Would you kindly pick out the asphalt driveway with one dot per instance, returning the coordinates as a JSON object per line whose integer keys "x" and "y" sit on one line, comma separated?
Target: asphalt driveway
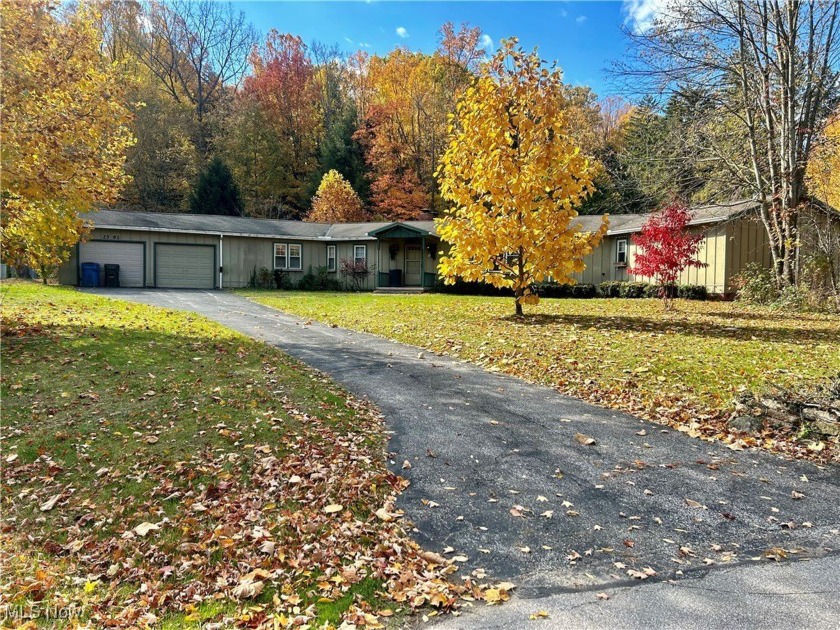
{"x": 505, "y": 473}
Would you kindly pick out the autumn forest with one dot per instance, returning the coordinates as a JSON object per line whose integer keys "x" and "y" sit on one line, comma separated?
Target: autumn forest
{"x": 204, "y": 88}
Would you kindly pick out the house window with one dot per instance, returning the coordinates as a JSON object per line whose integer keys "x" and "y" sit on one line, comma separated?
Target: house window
{"x": 280, "y": 254}
{"x": 360, "y": 254}
{"x": 621, "y": 251}
{"x": 331, "y": 262}
{"x": 288, "y": 256}
{"x": 295, "y": 260}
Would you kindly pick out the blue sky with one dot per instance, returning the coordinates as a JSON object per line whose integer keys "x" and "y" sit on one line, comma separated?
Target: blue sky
{"x": 584, "y": 37}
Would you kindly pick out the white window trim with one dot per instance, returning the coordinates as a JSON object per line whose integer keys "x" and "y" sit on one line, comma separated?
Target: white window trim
{"x": 287, "y": 257}
{"x": 284, "y": 256}
{"x": 356, "y": 257}
{"x": 332, "y": 258}
{"x": 619, "y": 251}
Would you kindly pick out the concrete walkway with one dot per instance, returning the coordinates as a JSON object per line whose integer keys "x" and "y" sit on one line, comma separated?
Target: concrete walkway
{"x": 498, "y": 476}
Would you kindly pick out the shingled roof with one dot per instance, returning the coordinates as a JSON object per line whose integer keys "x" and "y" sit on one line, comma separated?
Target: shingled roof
{"x": 272, "y": 228}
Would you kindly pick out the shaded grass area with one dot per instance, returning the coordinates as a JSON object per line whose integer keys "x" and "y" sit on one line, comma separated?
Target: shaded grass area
{"x": 116, "y": 415}
{"x": 684, "y": 366}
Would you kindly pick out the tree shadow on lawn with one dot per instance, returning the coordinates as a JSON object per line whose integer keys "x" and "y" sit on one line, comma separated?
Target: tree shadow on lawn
{"x": 737, "y": 331}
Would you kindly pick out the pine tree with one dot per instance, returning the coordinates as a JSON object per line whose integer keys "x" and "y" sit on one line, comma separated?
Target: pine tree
{"x": 216, "y": 191}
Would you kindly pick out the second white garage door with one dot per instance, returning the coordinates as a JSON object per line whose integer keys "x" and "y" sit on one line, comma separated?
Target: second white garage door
{"x": 185, "y": 266}
{"x": 129, "y": 256}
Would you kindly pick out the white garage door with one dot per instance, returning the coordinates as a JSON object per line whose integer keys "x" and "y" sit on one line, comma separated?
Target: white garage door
{"x": 129, "y": 256}
{"x": 185, "y": 266}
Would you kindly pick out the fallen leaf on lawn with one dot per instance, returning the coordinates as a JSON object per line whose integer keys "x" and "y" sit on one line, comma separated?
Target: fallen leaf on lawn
{"x": 525, "y": 549}
{"x": 267, "y": 547}
{"x": 541, "y": 499}
{"x": 406, "y": 465}
{"x": 540, "y": 614}
{"x": 460, "y": 558}
{"x": 796, "y": 495}
{"x": 548, "y": 514}
{"x": 46, "y": 506}
{"x": 586, "y": 440}
{"x": 199, "y": 507}
{"x": 384, "y": 515}
{"x": 332, "y": 508}
{"x": 694, "y": 504}
{"x": 247, "y": 589}
{"x": 144, "y": 528}
{"x": 11, "y": 458}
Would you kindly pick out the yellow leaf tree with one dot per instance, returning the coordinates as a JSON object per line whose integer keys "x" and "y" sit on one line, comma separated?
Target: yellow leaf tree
{"x": 824, "y": 165}
{"x": 513, "y": 176}
{"x": 65, "y": 130}
{"x": 336, "y": 201}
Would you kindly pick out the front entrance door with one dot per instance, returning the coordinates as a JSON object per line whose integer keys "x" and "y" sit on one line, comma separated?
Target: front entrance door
{"x": 413, "y": 265}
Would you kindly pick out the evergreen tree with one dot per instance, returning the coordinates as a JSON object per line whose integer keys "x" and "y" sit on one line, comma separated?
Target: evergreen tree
{"x": 216, "y": 192}
{"x": 341, "y": 152}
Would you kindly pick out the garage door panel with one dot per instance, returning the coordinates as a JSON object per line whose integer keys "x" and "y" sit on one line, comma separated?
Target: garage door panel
{"x": 129, "y": 256}
{"x": 185, "y": 266}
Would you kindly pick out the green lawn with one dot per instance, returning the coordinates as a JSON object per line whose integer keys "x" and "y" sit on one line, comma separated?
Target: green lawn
{"x": 153, "y": 462}
{"x": 682, "y": 367}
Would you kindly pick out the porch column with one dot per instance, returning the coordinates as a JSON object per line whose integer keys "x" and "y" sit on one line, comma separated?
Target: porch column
{"x": 422, "y": 261}
{"x": 378, "y": 261}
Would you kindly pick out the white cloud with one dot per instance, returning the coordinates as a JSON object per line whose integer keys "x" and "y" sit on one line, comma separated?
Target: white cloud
{"x": 485, "y": 42}
{"x": 580, "y": 19}
{"x": 348, "y": 40}
{"x": 402, "y": 31}
{"x": 641, "y": 14}
{"x": 563, "y": 13}
{"x": 364, "y": 45}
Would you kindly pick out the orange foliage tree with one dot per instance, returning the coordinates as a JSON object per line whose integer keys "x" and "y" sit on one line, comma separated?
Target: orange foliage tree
{"x": 336, "y": 202}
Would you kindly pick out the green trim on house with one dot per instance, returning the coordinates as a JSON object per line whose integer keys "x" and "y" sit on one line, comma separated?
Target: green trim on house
{"x": 398, "y": 230}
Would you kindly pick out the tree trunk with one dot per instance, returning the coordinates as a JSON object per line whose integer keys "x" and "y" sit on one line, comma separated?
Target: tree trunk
{"x": 519, "y": 312}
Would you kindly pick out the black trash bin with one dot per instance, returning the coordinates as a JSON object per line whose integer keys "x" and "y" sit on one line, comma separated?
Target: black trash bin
{"x": 395, "y": 278}
{"x": 112, "y": 276}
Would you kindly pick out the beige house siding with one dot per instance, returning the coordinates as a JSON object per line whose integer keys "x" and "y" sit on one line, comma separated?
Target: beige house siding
{"x": 601, "y": 264}
{"x": 746, "y": 243}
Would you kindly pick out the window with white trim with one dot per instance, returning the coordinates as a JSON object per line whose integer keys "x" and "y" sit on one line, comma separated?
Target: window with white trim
{"x": 280, "y": 256}
{"x": 360, "y": 254}
{"x": 295, "y": 257}
{"x": 288, "y": 256}
{"x": 331, "y": 259}
{"x": 621, "y": 251}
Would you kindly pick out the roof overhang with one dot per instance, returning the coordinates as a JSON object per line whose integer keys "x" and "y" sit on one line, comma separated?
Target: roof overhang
{"x": 704, "y": 221}
{"x": 399, "y": 230}
{"x": 135, "y": 228}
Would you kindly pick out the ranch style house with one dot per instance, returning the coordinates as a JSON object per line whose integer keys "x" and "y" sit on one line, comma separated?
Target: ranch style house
{"x": 210, "y": 251}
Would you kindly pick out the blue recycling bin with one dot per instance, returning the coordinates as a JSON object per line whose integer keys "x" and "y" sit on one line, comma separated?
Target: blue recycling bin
{"x": 90, "y": 274}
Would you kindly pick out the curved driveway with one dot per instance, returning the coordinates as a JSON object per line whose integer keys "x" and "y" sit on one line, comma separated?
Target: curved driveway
{"x": 498, "y": 475}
